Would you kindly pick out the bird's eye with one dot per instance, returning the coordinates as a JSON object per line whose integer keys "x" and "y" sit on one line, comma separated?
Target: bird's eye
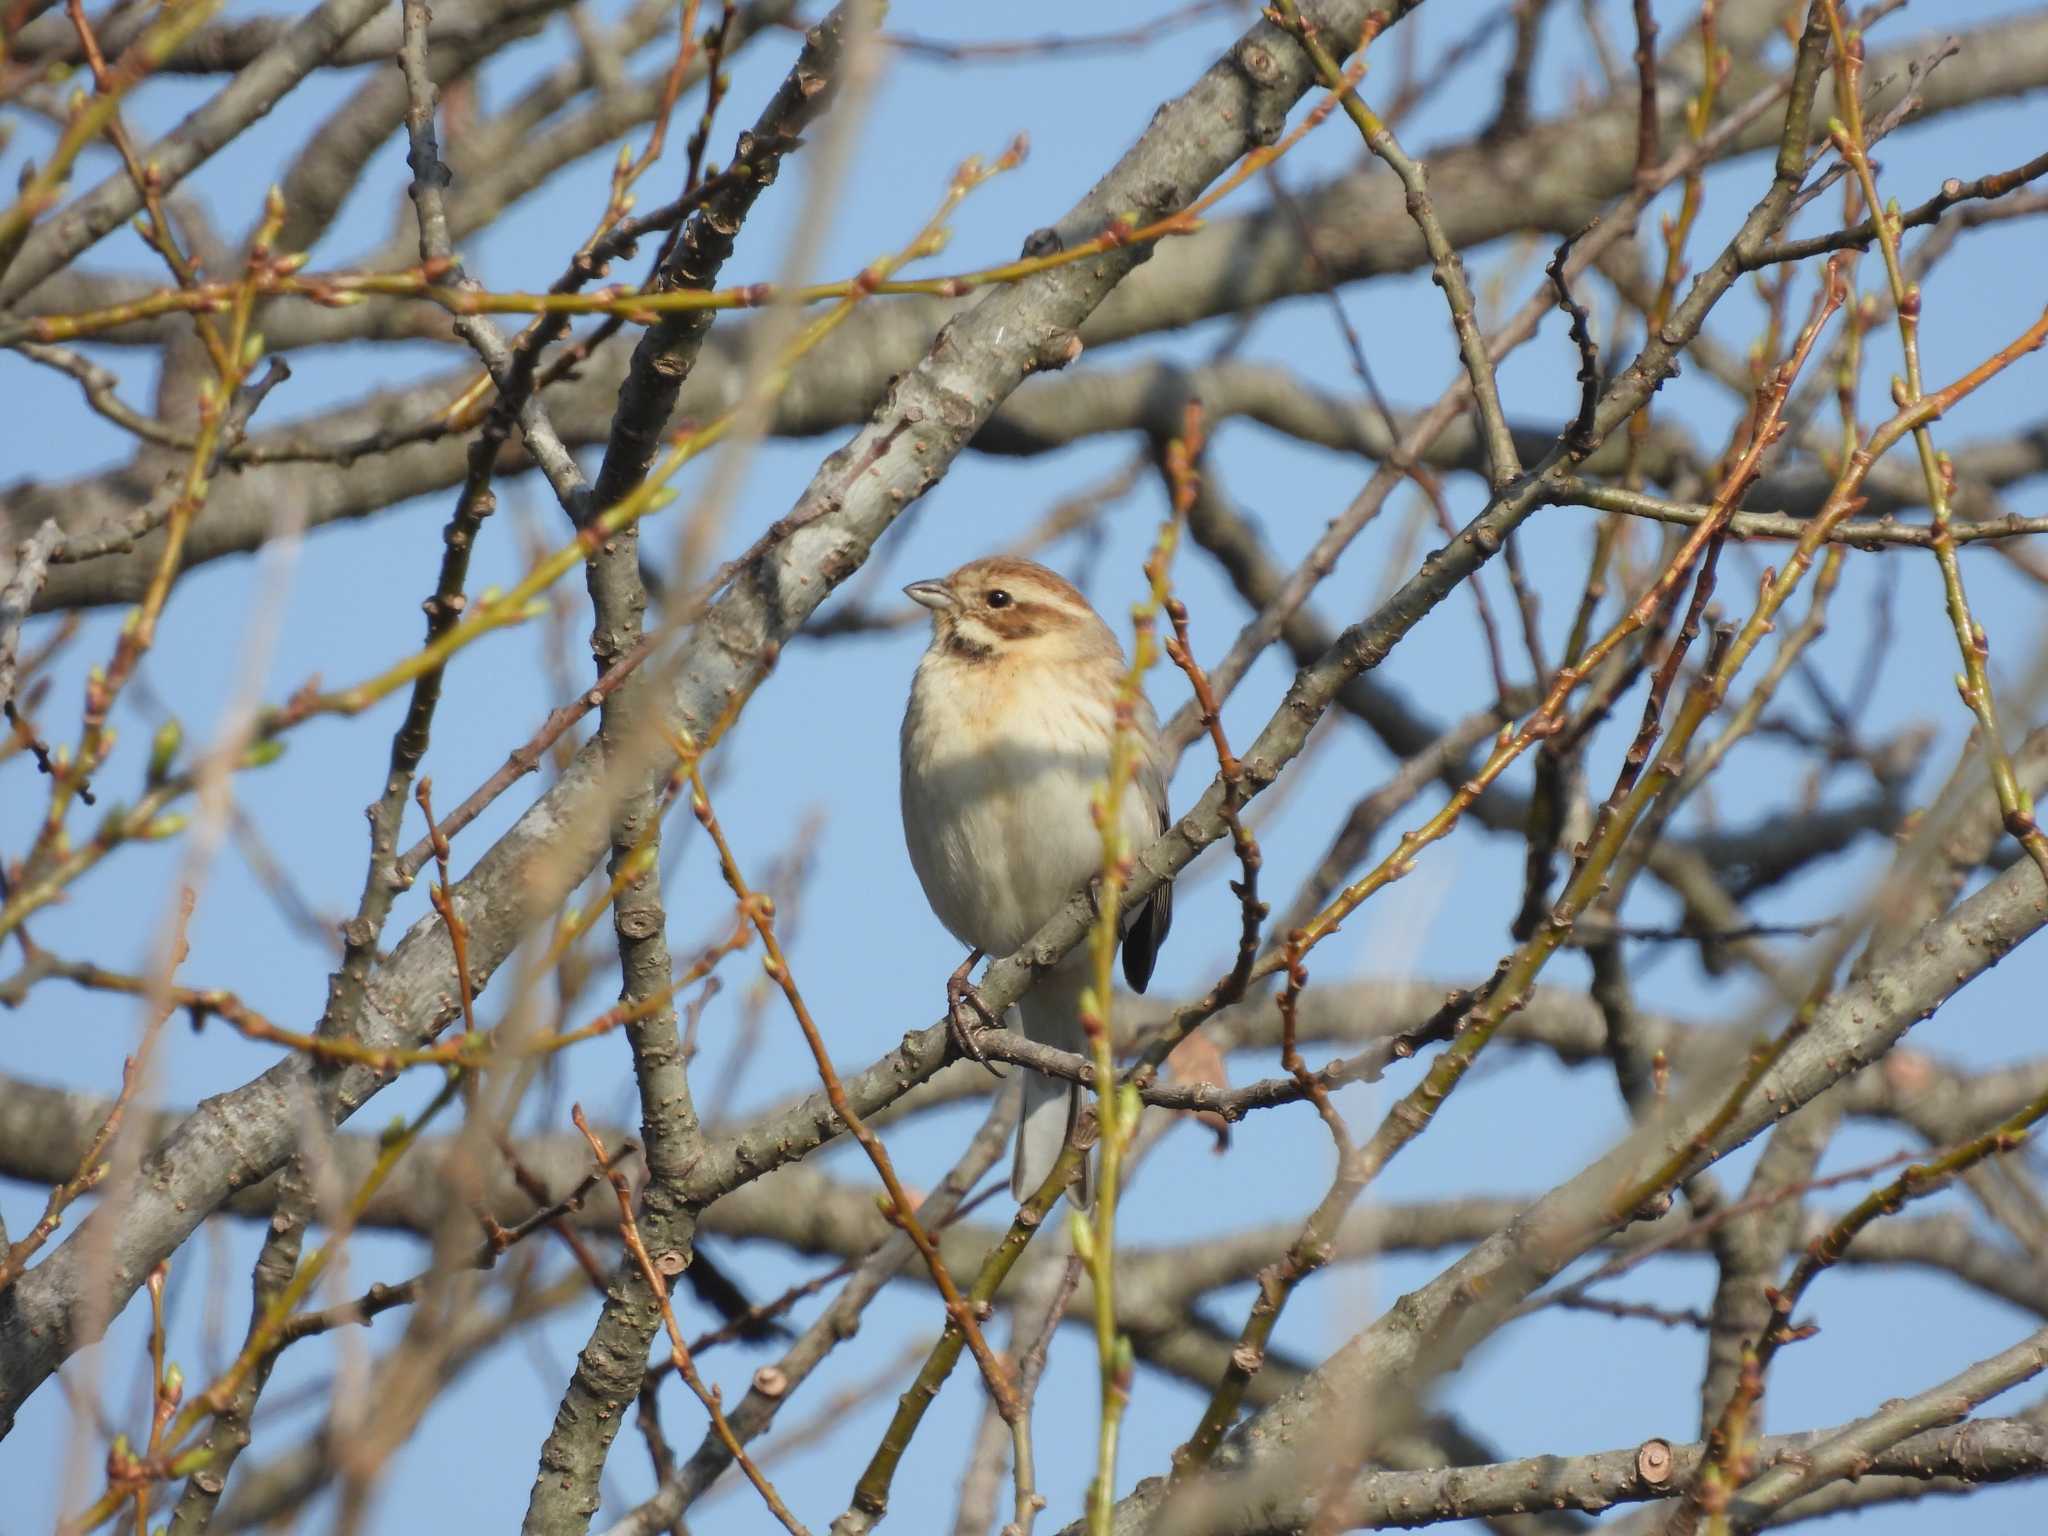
{"x": 999, "y": 599}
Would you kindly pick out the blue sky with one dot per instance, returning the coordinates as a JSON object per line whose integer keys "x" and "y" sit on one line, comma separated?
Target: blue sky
{"x": 821, "y": 738}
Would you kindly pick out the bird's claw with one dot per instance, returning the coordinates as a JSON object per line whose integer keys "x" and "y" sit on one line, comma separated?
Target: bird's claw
{"x": 966, "y": 1012}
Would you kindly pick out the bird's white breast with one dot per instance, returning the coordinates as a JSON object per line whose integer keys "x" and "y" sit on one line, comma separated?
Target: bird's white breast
{"x": 1001, "y": 762}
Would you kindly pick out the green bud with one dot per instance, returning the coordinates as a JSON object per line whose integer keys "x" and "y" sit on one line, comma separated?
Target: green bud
{"x": 163, "y": 751}
{"x": 261, "y": 754}
{"x": 1130, "y": 1104}
{"x": 165, "y": 827}
{"x": 192, "y": 1461}
{"x": 1081, "y": 1235}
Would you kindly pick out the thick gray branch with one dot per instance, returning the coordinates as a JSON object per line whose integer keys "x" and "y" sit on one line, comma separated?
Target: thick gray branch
{"x": 1446, "y": 1317}
{"x": 928, "y": 418}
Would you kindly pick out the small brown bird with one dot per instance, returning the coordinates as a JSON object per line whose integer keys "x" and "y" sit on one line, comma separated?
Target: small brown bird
{"x": 1005, "y": 744}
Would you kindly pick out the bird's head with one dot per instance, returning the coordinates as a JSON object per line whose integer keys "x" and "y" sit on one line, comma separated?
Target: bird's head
{"x": 1006, "y": 609}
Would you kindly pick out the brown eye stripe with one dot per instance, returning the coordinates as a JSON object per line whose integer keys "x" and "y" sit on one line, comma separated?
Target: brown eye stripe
{"x": 1023, "y": 619}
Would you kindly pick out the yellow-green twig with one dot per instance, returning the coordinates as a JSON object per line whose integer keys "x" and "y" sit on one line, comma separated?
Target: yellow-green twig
{"x": 1974, "y": 684}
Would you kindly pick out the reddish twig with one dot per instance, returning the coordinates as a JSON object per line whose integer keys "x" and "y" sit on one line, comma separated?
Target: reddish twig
{"x": 656, "y": 1275}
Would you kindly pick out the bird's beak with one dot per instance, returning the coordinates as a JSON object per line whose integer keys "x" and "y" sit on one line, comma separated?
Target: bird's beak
{"x": 935, "y": 595}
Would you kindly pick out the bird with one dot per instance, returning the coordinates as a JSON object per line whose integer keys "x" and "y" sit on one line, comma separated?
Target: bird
{"x": 1005, "y": 745}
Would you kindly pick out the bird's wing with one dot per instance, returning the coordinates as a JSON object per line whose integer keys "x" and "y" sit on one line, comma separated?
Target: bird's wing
{"x": 1147, "y": 931}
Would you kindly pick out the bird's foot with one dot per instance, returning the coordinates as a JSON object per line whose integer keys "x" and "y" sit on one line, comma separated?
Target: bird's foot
{"x": 1094, "y": 890}
{"x": 966, "y": 1013}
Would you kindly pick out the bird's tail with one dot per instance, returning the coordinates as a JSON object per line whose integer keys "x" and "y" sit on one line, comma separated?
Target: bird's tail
{"x": 1051, "y": 1016}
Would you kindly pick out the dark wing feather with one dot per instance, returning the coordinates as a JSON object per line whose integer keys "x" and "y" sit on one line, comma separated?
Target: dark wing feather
{"x": 1141, "y": 944}
{"x": 1147, "y": 931}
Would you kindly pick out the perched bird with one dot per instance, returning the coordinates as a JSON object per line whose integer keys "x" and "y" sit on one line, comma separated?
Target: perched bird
{"x": 1005, "y": 745}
